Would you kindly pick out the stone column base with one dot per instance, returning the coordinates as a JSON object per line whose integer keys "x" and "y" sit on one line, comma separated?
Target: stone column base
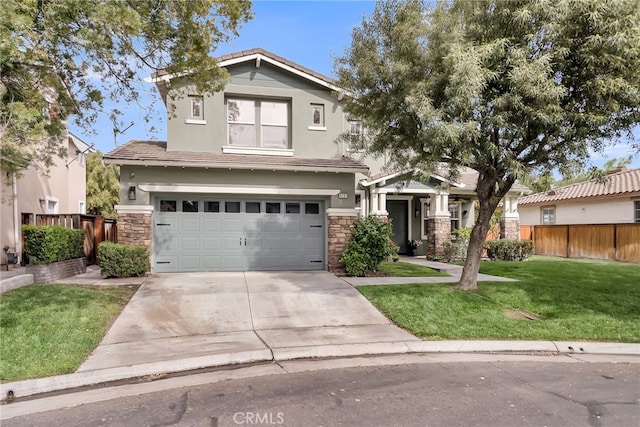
{"x": 438, "y": 233}
{"x": 510, "y": 228}
{"x": 340, "y": 224}
{"x": 134, "y": 224}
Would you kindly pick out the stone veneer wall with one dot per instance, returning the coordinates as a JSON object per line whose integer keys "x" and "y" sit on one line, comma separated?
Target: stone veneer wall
{"x": 439, "y": 232}
{"x": 339, "y": 233}
{"x": 46, "y": 273}
{"x": 134, "y": 228}
{"x": 510, "y": 229}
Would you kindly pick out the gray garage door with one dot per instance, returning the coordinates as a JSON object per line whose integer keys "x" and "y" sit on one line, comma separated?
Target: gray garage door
{"x": 212, "y": 234}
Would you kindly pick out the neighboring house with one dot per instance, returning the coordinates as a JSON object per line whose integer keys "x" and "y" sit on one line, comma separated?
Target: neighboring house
{"x": 61, "y": 191}
{"x": 252, "y": 178}
{"x": 615, "y": 199}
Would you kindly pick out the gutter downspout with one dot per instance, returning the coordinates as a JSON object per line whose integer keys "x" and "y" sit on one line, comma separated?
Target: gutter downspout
{"x": 16, "y": 222}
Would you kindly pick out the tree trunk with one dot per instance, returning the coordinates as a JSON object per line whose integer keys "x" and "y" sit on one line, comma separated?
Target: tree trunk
{"x": 488, "y": 203}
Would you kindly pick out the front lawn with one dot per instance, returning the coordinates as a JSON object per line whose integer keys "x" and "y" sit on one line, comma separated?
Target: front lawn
{"x": 407, "y": 269}
{"x": 50, "y": 329}
{"x": 555, "y": 299}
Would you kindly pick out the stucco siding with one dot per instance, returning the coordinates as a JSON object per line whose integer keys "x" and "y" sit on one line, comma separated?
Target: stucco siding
{"x": 266, "y": 83}
{"x": 239, "y": 178}
{"x": 603, "y": 211}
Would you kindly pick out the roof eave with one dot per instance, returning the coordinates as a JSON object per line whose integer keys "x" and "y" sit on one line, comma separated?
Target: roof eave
{"x": 231, "y": 166}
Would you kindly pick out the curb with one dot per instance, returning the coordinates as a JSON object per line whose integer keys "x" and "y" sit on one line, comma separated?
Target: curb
{"x": 26, "y": 388}
{"x": 15, "y": 282}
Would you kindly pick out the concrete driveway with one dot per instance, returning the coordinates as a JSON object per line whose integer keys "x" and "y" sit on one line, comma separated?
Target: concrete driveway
{"x": 243, "y": 316}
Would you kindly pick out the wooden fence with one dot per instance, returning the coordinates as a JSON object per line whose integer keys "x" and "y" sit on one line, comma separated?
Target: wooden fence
{"x": 619, "y": 242}
{"x": 97, "y": 228}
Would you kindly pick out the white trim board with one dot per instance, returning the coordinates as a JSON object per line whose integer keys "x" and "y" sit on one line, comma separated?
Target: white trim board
{"x": 218, "y": 189}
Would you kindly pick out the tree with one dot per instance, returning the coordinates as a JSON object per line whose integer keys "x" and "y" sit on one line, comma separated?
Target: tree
{"x": 65, "y": 57}
{"x": 103, "y": 186}
{"x": 502, "y": 87}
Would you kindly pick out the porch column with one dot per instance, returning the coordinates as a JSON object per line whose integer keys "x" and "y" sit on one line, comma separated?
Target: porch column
{"x": 374, "y": 203}
{"x": 510, "y": 219}
{"x": 439, "y": 223}
{"x": 382, "y": 204}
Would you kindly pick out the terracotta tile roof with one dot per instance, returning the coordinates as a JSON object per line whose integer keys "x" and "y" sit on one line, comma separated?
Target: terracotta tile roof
{"x": 154, "y": 153}
{"x": 620, "y": 183}
{"x": 278, "y": 58}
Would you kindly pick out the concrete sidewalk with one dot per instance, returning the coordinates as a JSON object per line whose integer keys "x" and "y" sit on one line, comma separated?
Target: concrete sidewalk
{"x": 190, "y": 321}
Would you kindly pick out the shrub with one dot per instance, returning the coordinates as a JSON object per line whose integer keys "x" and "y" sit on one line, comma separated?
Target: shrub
{"x": 450, "y": 251}
{"x": 509, "y": 250}
{"x": 368, "y": 246}
{"x": 120, "y": 260}
{"x": 47, "y": 244}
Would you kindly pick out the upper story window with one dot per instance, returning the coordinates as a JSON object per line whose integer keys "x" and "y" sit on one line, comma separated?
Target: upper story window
{"x": 258, "y": 123}
{"x": 196, "y": 111}
{"x": 317, "y": 117}
{"x": 637, "y": 210}
{"x": 355, "y": 128}
{"x": 549, "y": 215}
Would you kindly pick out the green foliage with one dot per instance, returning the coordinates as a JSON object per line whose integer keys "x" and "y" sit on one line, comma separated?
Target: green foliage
{"x": 47, "y": 244}
{"x": 65, "y": 57}
{"x": 509, "y": 250}
{"x": 368, "y": 247}
{"x": 501, "y": 87}
{"x": 103, "y": 186}
{"x": 50, "y": 330}
{"x": 406, "y": 269}
{"x": 602, "y": 306}
{"x": 121, "y": 260}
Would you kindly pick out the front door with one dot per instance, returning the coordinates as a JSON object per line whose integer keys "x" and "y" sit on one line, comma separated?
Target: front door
{"x": 398, "y": 214}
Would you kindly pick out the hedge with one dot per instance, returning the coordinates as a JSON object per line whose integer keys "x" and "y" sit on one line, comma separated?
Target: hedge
{"x": 509, "y": 250}
{"x": 121, "y": 260}
{"x": 52, "y": 243}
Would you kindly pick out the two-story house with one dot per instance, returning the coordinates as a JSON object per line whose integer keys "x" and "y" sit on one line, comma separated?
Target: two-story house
{"x": 252, "y": 178}
{"x": 60, "y": 191}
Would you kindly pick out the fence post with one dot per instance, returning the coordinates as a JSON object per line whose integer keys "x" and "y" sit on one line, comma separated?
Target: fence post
{"x": 98, "y": 235}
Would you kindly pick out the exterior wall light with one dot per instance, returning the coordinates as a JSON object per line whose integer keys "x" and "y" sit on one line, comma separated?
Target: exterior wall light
{"x": 132, "y": 193}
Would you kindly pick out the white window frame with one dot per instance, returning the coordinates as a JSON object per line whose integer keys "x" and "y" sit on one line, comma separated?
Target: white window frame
{"x": 321, "y": 125}
{"x": 196, "y": 119}
{"x": 56, "y": 205}
{"x": 259, "y": 124}
{"x": 458, "y": 207}
{"x": 82, "y": 207}
{"x": 424, "y": 218}
{"x": 358, "y": 125}
{"x": 542, "y": 215}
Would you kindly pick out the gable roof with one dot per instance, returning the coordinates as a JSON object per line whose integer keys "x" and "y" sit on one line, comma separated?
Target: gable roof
{"x": 616, "y": 184}
{"x": 258, "y": 55}
{"x": 467, "y": 179}
{"x": 154, "y": 153}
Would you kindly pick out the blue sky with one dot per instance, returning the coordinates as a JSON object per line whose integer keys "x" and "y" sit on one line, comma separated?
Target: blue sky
{"x": 310, "y": 33}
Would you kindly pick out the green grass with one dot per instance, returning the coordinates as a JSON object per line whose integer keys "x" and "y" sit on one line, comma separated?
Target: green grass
{"x": 575, "y": 299}
{"x": 407, "y": 269}
{"x": 50, "y": 330}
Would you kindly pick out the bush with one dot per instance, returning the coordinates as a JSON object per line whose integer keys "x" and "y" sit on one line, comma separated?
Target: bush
{"x": 120, "y": 260}
{"x": 509, "y": 250}
{"x": 368, "y": 246}
{"x": 47, "y": 244}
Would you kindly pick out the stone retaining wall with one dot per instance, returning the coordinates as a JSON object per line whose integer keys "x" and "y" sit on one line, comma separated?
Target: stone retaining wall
{"x": 47, "y": 273}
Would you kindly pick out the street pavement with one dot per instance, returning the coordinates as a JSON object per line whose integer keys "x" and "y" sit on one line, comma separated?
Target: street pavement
{"x": 190, "y": 321}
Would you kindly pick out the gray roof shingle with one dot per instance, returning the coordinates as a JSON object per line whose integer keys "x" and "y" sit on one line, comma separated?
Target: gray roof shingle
{"x": 154, "y": 153}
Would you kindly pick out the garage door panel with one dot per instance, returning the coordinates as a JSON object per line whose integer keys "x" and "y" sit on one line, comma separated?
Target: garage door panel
{"x": 190, "y": 243}
{"x": 274, "y": 239}
{"x": 211, "y": 243}
{"x": 190, "y": 225}
{"x": 190, "y": 262}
